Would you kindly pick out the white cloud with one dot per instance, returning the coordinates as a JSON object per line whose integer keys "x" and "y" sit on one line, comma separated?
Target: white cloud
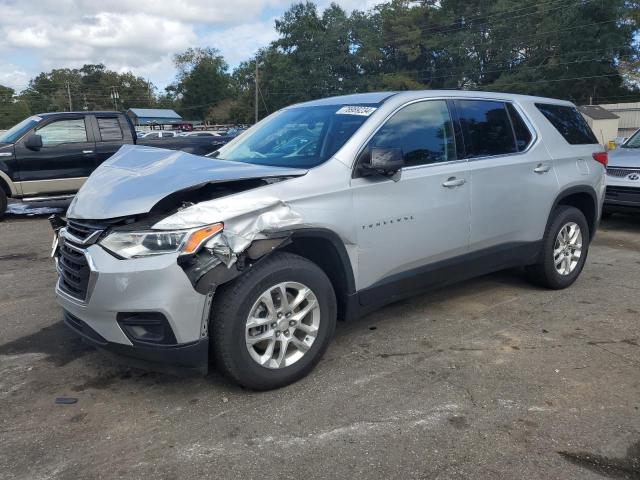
{"x": 13, "y": 76}
{"x": 139, "y": 36}
{"x": 241, "y": 42}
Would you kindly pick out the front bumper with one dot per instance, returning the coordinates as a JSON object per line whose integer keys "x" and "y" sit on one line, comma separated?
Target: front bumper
{"x": 151, "y": 284}
{"x": 189, "y": 357}
{"x": 622, "y": 195}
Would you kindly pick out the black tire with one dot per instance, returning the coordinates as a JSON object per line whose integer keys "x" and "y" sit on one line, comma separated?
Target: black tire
{"x": 544, "y": 273}
{"x": 231, "y": 307}
{"x": 3, "y": 203}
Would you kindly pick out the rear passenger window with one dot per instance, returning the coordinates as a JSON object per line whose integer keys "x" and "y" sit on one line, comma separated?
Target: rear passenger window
{"x": 569, "y": 122}
{"x": 109, "y": 129}
{"x": 486, "y": 127}
{"x": 422, "y": 130}
{"x": 523, "y": 134}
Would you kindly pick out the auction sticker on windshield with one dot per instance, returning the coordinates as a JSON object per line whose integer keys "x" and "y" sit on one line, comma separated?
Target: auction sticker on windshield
{"x": 356, "y": 110}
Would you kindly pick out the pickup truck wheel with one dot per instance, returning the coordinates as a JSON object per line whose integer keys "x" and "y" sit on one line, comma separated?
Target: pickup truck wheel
{"x": 564, "y": 251}
{"x": 270, "y": 326}
{"x": 3, "y": 203}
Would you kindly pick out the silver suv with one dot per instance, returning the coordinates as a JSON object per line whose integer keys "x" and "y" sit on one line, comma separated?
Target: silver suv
{"x": 322, "y": 211}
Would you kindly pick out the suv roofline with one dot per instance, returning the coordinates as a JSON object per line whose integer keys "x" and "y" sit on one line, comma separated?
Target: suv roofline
{"x": 382, "y": 97}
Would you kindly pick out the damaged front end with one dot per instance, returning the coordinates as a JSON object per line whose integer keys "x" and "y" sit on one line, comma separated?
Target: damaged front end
{"x": 157, "y": 201}
{"x": 209, "y": 253}
{"x": 142, "y": 250}
{"x": 252, "y": 229}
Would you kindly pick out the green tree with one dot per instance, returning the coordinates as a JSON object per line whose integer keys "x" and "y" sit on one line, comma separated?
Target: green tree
{"x": 12, "y": 110}
{"x": 577, "y": 49}
{"x": 202, "y": 81}
{"x": 90, "y": 88}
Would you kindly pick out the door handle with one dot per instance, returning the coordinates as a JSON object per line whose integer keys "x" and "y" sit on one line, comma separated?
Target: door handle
{"x": 87, "y": 151}
{"x": 542, "y": 168}
{"x": 453, "y": 182}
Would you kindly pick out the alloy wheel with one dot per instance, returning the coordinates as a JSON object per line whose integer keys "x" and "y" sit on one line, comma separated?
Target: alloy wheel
{"x": 567, "y": 249}
{"x": 282, "y": 325}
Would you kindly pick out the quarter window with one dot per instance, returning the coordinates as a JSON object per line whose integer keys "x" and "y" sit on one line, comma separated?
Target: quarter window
{"x": 109, "y": 129}
{"x": 423, "y": 131}
{"x": 569, "y": 122}
{"x": 63, "y": 131}
{"x": 486, "y": 127}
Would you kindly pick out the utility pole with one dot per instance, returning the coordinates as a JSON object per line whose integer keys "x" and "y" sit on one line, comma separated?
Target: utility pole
{"x": 256, "y": 90}
{"x": 69, "y": 95}
{"x": 115, "y": 96}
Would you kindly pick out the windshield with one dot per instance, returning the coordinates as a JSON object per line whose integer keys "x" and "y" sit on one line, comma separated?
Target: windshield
{"x": 15, "y": 132}
{"x": 302, "y": 137}
{"x": 633, "y": 142}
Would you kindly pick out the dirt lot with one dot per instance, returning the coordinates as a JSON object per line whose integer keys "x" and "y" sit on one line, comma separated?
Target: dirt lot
{"x": 493, "y": 378}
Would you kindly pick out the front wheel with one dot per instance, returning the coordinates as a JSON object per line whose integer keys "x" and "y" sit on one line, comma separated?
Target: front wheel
{"x": 270, "y": 326}
{"x": 564, "y": 250}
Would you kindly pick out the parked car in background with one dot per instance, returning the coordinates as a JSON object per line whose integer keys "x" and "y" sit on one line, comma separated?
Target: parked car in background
{"x": 325, "y": 209}
{"x": 155, "y": 134}
{"x": 623, "y": 177}
{"x": 234, "y": 132}
{"x": 200, "y": 133}
{"x": 50, "y": 155}
{"x": 619, "y": 141}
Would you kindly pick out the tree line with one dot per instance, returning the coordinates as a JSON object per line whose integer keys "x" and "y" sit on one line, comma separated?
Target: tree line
{"x": 581, "y": 50}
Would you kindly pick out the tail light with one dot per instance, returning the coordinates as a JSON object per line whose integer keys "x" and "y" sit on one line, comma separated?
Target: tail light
{"x": 601, "y": 157}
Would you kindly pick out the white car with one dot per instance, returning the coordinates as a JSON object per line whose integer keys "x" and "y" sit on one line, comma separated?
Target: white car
{"x": 160, "y": 134}
{"x": 200, "y": 133}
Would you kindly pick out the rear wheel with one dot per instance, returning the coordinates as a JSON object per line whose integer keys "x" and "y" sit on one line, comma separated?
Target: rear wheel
{"x": 564, "y": 251}
{"x": 270, "y": 326}
{"x": 3, "y": 203}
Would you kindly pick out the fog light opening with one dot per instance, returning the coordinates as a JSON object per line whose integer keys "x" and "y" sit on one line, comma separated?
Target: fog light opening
{"x": 146, "y": 328}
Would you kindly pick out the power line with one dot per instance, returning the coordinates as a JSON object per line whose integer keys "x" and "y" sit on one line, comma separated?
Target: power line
{"x": 495, "y": 14}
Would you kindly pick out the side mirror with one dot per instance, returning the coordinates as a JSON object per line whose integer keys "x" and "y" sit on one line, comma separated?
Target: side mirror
{"x": 386, "y": 161}
{"x": 33, "y": 142}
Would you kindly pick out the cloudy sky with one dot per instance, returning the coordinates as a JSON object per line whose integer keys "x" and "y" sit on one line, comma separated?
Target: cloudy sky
{"x": 135, "y": 35}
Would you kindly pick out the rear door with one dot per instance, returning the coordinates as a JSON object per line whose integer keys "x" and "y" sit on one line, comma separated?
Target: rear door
{"x": 512, "y": 175}
{"x": 66, "y": 159}
{"x": 423, "y": 216}
{"x": 110, "y": 136}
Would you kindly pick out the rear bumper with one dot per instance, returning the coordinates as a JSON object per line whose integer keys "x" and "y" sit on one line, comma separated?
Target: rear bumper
{"x": 192, "y": 357}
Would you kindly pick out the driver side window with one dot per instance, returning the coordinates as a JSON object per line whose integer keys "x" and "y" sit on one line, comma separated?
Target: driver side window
{"x": 422, "y": 130}
{"x": 63, "y": 131}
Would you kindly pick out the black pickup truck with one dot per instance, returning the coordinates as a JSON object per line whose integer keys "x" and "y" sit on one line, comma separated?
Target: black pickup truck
{"x": 50, "y": 155}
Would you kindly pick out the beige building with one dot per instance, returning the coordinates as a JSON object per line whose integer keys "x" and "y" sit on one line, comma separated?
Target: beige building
{"x": 629, "y": 114}
{"x": 605, "y": 124}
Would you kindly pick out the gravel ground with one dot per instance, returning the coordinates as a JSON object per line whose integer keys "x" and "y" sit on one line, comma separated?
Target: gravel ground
{"x": 492, "y": 378}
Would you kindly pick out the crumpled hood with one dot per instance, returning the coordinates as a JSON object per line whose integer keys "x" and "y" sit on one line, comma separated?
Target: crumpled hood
{"x": 133, "y": 180}
{"x": 624, "y": 157}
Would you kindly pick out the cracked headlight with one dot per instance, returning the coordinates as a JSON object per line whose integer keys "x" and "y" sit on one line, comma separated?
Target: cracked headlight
{"x": 158, "y": 242}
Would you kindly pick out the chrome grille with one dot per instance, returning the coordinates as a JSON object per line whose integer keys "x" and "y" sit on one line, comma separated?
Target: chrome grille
{"x": 74, "y": 271}
{"x": 82, "y": 231}
{"x": 621, "y": 172}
